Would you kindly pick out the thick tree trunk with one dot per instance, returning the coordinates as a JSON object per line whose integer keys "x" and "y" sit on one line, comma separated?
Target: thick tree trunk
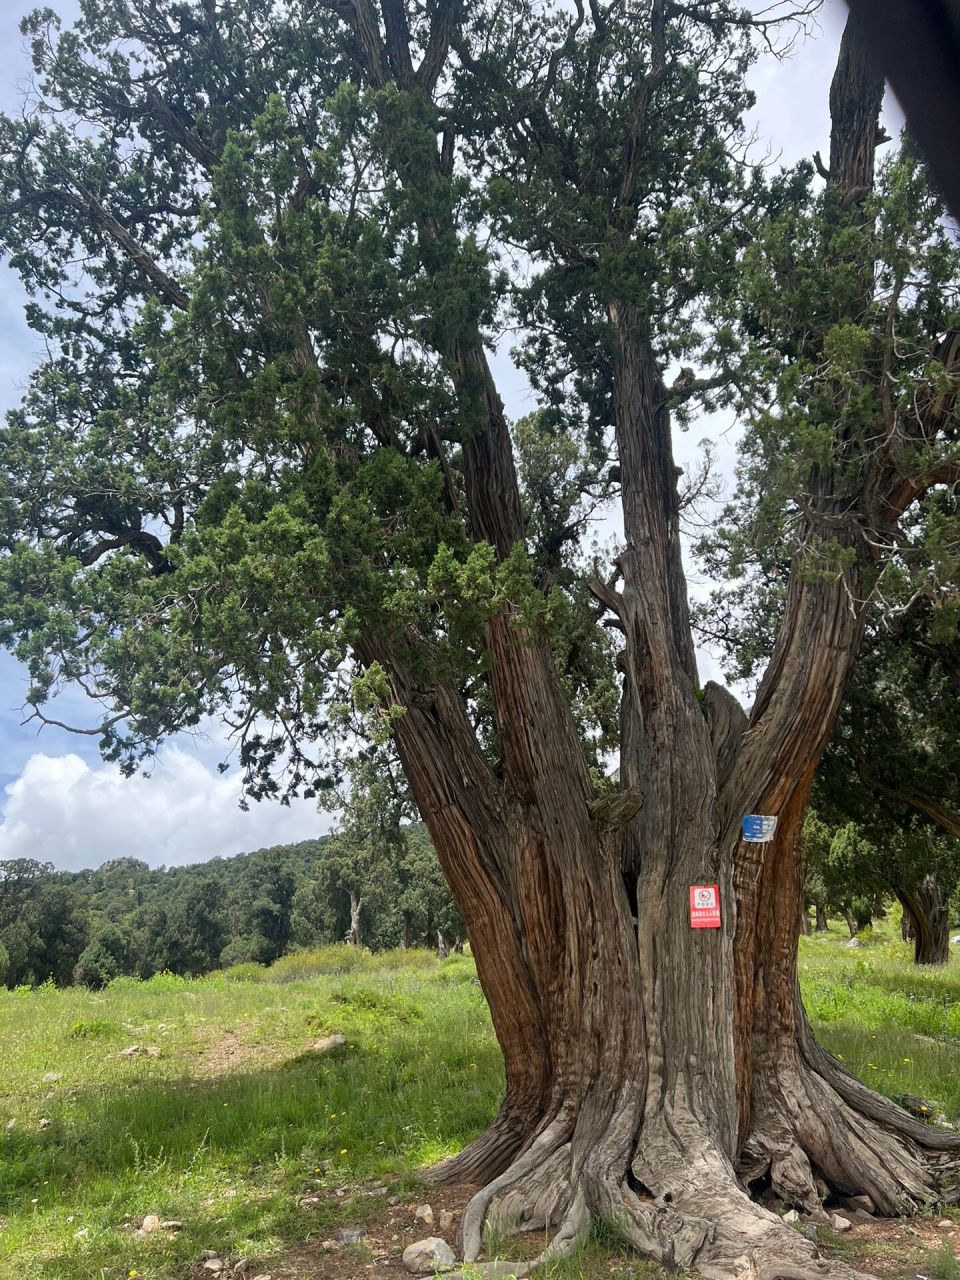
{"x": 822, "y": 926}
{"x": 925, "y": 908}
{"x": 852, "y": 926}
{"x": 805, "y": 1125}
{"x": 643, "y": 1057}
{"x": 805, "y": 926}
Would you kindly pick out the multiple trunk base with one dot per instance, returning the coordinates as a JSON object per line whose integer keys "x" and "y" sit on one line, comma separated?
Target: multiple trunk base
{"x": 666, "y": 1189}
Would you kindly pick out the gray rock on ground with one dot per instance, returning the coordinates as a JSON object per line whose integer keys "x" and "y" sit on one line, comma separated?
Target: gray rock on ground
{"x": 424, "y": 1257}
{"x": 329, "y": 1042}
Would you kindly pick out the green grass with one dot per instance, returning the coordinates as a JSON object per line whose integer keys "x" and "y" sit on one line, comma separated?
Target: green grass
{"x": 239, "y": 1116}
{"x": 896, "y": 1025}
{"x": 236, "y": 1119}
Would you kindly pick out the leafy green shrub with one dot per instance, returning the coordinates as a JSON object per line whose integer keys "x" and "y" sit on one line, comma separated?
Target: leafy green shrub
{"x": 456, "y": 968}
{"x": 165, "y": 981}
{"x": 297, "y": 966}
{"x": 254, "y": 949}
{"x": 398, "y": 1007}
{"x": 249, "y": 971}
{"x": 398, "y": 958}
{"x": 102, "y": 960}
{"x": 96, "y": 1028}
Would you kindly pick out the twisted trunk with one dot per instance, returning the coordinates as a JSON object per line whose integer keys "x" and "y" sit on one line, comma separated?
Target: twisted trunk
{"x": 926, "y": 909}
{"x": 652, "y": 1070}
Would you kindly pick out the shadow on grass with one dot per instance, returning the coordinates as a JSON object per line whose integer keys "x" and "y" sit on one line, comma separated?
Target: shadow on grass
{"x": 230, "y": 1156}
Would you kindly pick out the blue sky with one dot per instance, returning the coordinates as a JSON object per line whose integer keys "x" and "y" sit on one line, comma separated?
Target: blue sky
{"x": 58, "y": 801}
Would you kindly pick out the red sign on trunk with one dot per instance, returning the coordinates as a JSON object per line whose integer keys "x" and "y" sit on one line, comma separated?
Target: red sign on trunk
{"x": 704, "y": 906}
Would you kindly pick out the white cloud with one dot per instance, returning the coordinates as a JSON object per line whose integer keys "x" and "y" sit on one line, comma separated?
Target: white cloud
{"x": 62, "y": 810}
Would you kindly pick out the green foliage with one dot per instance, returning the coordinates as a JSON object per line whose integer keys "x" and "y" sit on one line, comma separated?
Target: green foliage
{"x": 93, "y": 1028}
{"x": 239, "y": 914}
{"x": 102, "y": 960}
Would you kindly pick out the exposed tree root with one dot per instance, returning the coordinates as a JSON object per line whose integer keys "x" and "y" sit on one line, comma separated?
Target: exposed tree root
{"x": 680, "y": 1205}
{"x": 489, "y": 1154}
{"x": 813, "y": 1122}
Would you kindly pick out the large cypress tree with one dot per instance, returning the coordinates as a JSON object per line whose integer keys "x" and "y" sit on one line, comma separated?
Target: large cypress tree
{"x": 265, "y": 473}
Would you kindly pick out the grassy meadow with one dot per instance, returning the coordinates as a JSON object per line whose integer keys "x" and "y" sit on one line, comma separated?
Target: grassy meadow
{"x": 231, "y": 1122}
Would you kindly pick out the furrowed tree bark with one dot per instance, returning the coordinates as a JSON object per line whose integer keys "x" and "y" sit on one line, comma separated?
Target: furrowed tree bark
{"x": 926, "y": 909}
{"x": 640, "y": 1054}
{"x": 804, "y": 1121}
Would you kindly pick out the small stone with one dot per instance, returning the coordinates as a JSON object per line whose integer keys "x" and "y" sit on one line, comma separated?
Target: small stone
{"x": 791, "y": 1216}
{"x": 390, "y": 1199}
{"x": 210, "y": 1255}
{"x": 446, "y": 1221}
{"x": 81, "y": 1234}
{"x": 131, "y": 1052}
{"x": 351, "y": 1235}
{"x": 52, "y": 1077}
{"x": 945, "y": 1224}
{"x": 863, "y": 1203}
{"x": 152, "y": 1051}
{"x": 11, "y": 1124}
{"x": 309, "y": 1202}
{"x": 424, "y": 1214}
{"x": 810, "y": 1231}
{"x": 427, "y": 1256}
{"x": 839, "y": 1223}
{"x": 213, "y": 1265}
{"x": 44, "y": 1123}
{"x": 171, "y": 1224}
{"x": 329, "y": 1246}
{"x": 853, "y": 944}
{"x": 955, "y": 939}
{"x": 150, "y": 1223}
{"x": 329, "y": 1042}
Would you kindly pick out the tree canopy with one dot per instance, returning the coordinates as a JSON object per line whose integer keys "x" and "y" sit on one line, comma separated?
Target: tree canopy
{"x": 265, "y": 473}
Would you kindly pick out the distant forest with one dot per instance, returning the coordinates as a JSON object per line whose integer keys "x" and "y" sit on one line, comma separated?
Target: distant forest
{"x": 126, "y": 918}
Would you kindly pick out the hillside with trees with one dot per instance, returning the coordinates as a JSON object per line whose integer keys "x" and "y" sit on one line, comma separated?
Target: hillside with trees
{"x": 263, "y": 472}
{"x": 126, "y": 918}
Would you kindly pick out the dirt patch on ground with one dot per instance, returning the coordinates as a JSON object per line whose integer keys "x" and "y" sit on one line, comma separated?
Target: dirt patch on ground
{"x": 228, "y": 1052}
{"x": 387, "y": 1232}
{"x": 899, "y": 1250}
{"x": 890, "y": 1249}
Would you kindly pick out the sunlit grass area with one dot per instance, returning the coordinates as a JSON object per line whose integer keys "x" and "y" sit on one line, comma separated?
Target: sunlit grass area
{"x": 232, "y": 1109}
{"x": 236, "y": 1118}
{"x": 896, "y": 1025}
